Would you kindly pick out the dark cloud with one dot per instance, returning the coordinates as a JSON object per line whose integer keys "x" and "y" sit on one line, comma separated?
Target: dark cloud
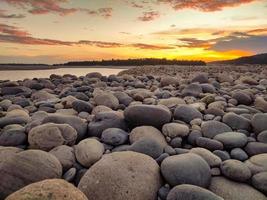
{"x": 149, "y": 16}
{"x": 204, "y": 5}
{"x": 104, "y": 12}
{"x": 12, "y": 30}
{"x": 10, "y": 16}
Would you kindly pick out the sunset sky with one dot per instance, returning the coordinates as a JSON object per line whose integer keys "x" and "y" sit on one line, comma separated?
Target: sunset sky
{"x": 56, "y": 31}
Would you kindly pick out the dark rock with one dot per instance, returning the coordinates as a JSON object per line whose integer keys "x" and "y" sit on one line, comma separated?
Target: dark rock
{"x": 186, "y": 113}
{"x": 232, "y": 140}
{"x": 114, "y": 136}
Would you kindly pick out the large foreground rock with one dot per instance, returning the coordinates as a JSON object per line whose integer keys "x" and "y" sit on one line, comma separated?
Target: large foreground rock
{"x": 230, "y": 190}
{"x": 150, "y": 115}
{"x": 191, "y": 192}
{"x": 122, "y": 175}
{"x": 186, "y": 169}
{"x": 25, "y": 168}
{"x": 52, "y": 189}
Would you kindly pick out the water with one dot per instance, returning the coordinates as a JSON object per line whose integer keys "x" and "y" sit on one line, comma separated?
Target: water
{"x": 45, "y": 73}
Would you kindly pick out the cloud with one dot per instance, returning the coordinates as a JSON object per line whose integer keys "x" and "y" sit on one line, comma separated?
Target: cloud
{"x": 204, "y": 5}
{"x": 149, "y": 16}
{"x": 12, "y": 34}
{"x": 10, "y": 16}
{"x": 195, "y": 43}
{"x": 37, "y": 7}
{"x": 177, "y": 31}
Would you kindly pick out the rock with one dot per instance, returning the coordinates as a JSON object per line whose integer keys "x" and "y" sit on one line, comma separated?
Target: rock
{"x": 201, "y": 78}
{"x": 186, "y": 113}
{"x": 254, "y": 148}
{"x": 193, "y": 136}
{"x": 242, "y": 98}
{"x": 50, "y": 135}
{"x": 93, "y": 75}
{"x": 54, "y": 189}
{"x": 259, "y": 181}
{"x": 8, "y": 152}
{"x": 232, "y": 140}
{"x": 88, "y": 151}
{"x": 142, "y": 132}
{"x": 77, "y": 123}
{"x": 262, "y": 137}
{"x": 260, "y": 104}
{"x": 171, "y": 102}
{"x": 239, "y": 154}
{"x": 70, "y": 174}
{"x": 122, "y": 175}
{"x": 186, "y": 168}
{"x": 105, "y": 120}
{"x": 123, "y": 98}
{"x": 225, "y": 77}
{"x": 82, "y": 106}
{"x": 27, "y": 167}
{"x": 65, "y": 155}
{"x": 169, "y": 80}
{"x": 212, "y": 159}
{"x": 148, "y": 146}
{"x": 236, "y": 122}
{"x": 192, "y": 89}
{"x": 231, "y": 190}
{"x": 12, "y": 135}
{"x": 107, "y": 99}
{"x": 191, "y": 192}
{"x": 151, "y": 115}
{"x": 212, "y": 128}
{"x": 258, "y": 122}
{"x": 16, "y": 90}
{"x": 4, "y": 121}
{"x": 209, "y": 144}
{"x": 44, "y": 96}
{"x": 114, "y": 136}
{"x": 257, "y": 163}
{"x": 173, "y": 130}
{"x": 235, "y": 170}
{"x": 224, "y": 155}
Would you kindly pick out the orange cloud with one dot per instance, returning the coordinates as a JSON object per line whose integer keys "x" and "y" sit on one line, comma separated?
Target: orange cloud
{"x": 204, "y": 5}
{"x": 149, "y": 16}
{"x": 10, "y": 16}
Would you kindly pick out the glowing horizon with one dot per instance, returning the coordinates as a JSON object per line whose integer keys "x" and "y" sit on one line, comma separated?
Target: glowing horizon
{"x": 57, "y": 31}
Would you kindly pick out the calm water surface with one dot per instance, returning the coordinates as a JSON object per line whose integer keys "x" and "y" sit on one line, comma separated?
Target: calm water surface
{"x": 22, "y": 74}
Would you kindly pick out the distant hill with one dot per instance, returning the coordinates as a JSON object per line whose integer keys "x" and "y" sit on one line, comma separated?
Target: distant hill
{"x": 260, "y": 59}
{"x": 133, "y": 62}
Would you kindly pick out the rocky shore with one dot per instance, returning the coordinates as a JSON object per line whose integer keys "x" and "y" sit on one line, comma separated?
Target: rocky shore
{"x": 165, "y": 133}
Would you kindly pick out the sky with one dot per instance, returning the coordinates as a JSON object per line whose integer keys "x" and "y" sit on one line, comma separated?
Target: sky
{"x": 57, "y": 31}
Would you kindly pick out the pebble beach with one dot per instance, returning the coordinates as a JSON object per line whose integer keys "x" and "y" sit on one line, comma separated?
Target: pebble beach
{"x": 147, "y": 133}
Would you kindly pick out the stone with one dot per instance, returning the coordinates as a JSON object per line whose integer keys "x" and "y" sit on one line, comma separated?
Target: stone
{"x": 54, "y": 189}
{"x": 65, "y": 155}
{"x": 231, "y": 190}
{"x": 186, "y": 168}
{"x": 212, "y": 159}
{"x": 209, "y": 144}
{"x": 212, "y": 128}
{"x": 260, "y": 104}
{"x": 122, "y": 175}
{"x": 107, "y": 99}
{"x": 258, "y": 122}
{"x": 235, "y": 170}
{"x": 236, "y": 122}
{"x": 201, "y": 78}
{"x": 70, "y": 174}
{"x": 242, "y": 98}
{"x": 186, "y": 113}
{"x": 168, "y": 80}
{"x": 232, "y": 140}
{"x": 123, "y": 98}
{"x": 259, "y": 181}
{"x": 50, "y": 135}
{"x": 173, "y": 130}
{"x": 192, "y": 89}
{"x": 142, "y": 132}
{"x": 88, "y": 152}
{"x": 4, "y": 121}
{"x": 224, "y": 155}
{"x": 191, "y": 192}
{"x": 254, "y": 148}
{"x": 105, "y": 120}
{"x": 148, "y": 146}
{"x": 114, "y": 136}
{"x": 150, "y": 115}
{"x": 257, "y": 163}
{"x": 262, "y": 137}
{"x": 8, "y": 152}
{"x": 171, "y": 102}
{"x": 239, "y": 154}
{"x": 13, "y": 135}
{"x": 77, "y": 123}
{"x": 82, "y": 106}
{"x": 44, "y": 96}
{"x": 27, "y": 167}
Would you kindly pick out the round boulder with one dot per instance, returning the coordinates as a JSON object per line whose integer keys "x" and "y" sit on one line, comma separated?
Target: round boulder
{"x": 212, "y": 128}
{"x": 186, "y": 113}
{"x": 52, "y": 189}
{"x": 173, "y": 130}
{"x": 122, "y": 175}
{"x": 114, "y": 136}
{"x": 186, "y": 168}
{"x": 232, "y": 140}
